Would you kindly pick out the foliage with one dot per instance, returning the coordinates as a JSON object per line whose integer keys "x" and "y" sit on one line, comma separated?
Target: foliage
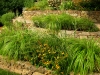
{"x": 14, "y": 42}
{"x": 28, "y": 3}
{"x": 3, "y": 7}
{"x": 64, "y": 21}
{"x": 50, "y": 54}
{"x": 84, "y": 24}
{"x": 6, "y": 19}
{"x": 90, "y": 5}
{"x": 28, "y": 46}
{"x": 65, "y": 5}
{"x": 85, "y": 56}
{"x": 40, "y": 5}
{"x": 54, "y": 22}
{"x": 62, "y": 55}
{"x": 11, "y": 6}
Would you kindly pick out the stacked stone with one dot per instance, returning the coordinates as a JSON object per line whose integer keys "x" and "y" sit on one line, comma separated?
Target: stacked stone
{"x": 54, "y": 3}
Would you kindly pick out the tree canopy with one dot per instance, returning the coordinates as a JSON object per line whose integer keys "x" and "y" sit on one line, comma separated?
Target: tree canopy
{"x": 10, "y": 5}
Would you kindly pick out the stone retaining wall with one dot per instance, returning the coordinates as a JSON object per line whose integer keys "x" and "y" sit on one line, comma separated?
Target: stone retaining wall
{"x": 93, "y": 15}
{"x": 22, "y": 67}
{"x": 66, "y": 33}
{"x": 79, "y": 34}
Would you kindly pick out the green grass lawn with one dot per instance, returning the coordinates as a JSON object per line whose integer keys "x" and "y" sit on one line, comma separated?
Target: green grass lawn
{"x": 5, "y": 72}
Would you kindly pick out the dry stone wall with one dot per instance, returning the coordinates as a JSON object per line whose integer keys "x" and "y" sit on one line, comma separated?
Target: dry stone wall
{"x": 79, "y": 34}
{"x": 66, "y": 33}
{"x": 22, "y": 67}
{"x": 93, "y": 15}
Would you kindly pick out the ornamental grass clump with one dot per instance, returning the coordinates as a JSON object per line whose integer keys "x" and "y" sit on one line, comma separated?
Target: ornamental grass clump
{"x": 54, "y": 22}
{"x": 84, "y": 24}
{"x": 85, "y": 57}
{"x": 15, "y": 44}
{"x": 64, "y": 22}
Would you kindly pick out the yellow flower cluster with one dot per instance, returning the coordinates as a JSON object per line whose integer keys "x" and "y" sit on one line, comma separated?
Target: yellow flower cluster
{"x": 47, "y": 62}
{"x": 57, "y": 66}
{"x": 50, "y": 57}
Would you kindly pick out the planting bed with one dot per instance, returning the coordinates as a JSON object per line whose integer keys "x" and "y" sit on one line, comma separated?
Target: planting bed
{"x": 23, "y": 68}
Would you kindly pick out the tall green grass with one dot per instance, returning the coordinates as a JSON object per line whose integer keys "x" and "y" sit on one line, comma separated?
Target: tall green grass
{"x": 40, "y": 5}
{"x": 65, "y": 5}
{"x": 62, "y": 55}
{"x": 86, "y": 25}
{"x": 28, "y": 3}
{"x": 14, "y": 43}
{"x": 85, "y": 56}
{"x": 64, "y": 21}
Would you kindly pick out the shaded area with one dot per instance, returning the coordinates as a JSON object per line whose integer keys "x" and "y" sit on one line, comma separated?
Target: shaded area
{"x": 1, "y": 25}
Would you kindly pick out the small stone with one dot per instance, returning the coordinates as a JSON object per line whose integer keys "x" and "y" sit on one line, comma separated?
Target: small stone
{"x": 85, "y": 33}
{"x": 83, "y": 37}
{"x": 41, "y": 70}
{"x": 37, "y": 73}
{"x": 93, "y": 33}
{"x": 33, "y": 68}
{"x": 25, "y": 71}
{"x": 30, "y": 73}
{"x": 18, "y": 71}
{"x": 48, "y": 72}
{"x": 98, "y": 33}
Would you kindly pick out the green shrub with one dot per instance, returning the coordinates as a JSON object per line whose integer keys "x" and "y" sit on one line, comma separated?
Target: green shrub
{"x": 64, "y": 21}
{"x": 6, "y": 19}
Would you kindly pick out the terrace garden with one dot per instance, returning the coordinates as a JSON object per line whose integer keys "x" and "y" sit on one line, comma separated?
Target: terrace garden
{"x": 62, "y": 55}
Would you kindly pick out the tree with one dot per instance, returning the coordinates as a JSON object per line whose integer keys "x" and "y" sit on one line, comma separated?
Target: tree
{"x": 3, "y": 7}
{"x": 11, "y": 5}
{"x": 90, "y": 4}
